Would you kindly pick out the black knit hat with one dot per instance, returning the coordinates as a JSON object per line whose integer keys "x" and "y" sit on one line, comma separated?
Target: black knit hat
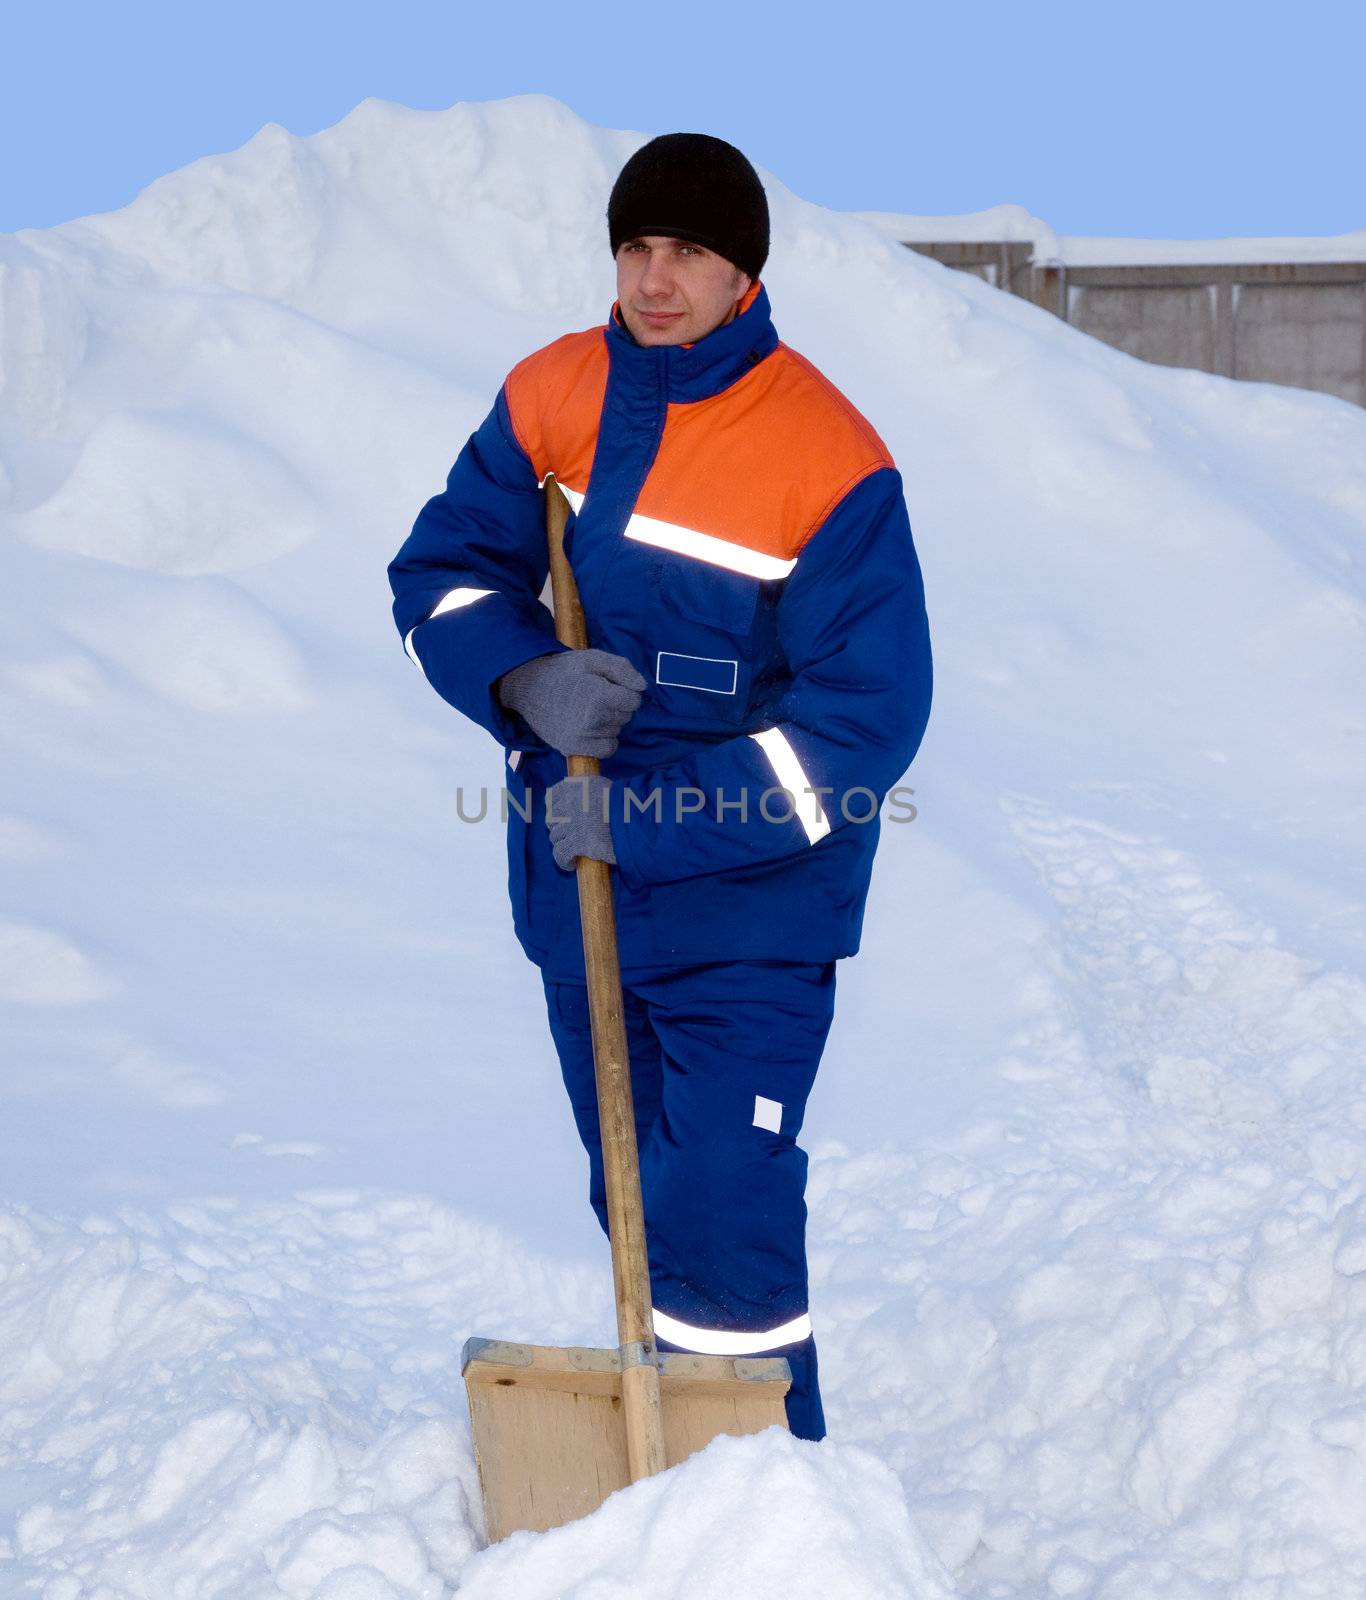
{"x": 692, "y": 186}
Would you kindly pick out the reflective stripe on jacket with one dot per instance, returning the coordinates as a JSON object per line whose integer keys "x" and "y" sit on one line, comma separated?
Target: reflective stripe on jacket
{"x": 739, "y": 534}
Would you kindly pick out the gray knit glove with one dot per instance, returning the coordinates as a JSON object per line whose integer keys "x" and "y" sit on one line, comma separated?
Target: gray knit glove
{"x": 576, "y": 813}
{"x": 578, "y": 701}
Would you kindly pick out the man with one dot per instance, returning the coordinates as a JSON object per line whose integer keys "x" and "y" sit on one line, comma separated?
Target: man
{"x": 757, "y": 622}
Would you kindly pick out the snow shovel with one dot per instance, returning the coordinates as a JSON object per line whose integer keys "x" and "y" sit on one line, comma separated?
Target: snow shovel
{"x": 556, "y": 1431}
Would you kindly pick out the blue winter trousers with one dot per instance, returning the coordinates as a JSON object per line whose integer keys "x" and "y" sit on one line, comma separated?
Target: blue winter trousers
{"x": 723, "y": 1057}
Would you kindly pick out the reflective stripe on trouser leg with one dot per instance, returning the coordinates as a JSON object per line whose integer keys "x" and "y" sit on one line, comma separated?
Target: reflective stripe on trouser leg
{"x": 720, "y": 1342}
{"x": 805, "y": 1414}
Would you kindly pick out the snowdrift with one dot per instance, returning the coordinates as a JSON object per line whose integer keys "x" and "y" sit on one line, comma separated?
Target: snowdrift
{"x": 282, "y": 1123}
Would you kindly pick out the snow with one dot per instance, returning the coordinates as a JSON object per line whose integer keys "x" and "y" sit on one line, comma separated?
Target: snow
{"x": 1009, "y": 223}
{"x": 831, "y": 1520}
{"x": 1013, "y": 224}
{"x": 282, "y": 1123}
{"x": 222, "y": 519}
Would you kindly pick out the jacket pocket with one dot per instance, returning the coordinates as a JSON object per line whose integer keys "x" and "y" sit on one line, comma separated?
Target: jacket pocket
{"x": 701, "y": 647}
{"x": 707, "y": 593}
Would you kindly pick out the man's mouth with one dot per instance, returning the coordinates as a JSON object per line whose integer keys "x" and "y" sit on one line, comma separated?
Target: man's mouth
{"x": 660, "y": 316}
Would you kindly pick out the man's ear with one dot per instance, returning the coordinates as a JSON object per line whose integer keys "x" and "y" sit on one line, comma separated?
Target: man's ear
{"x": 746, "y": 284}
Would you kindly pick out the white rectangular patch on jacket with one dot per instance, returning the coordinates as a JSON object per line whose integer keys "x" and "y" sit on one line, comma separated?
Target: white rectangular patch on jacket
{"x": 768, "y": 1114}
{"x": 715, "y": 674}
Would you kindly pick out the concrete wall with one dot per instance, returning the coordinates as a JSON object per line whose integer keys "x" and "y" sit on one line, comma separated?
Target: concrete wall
{"x": 1312, "y": 332}
{"x": 1300, "y": 323}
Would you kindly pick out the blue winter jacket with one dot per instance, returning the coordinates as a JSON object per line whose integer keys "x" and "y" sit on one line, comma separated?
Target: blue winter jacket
{"x": 739, "y": 534}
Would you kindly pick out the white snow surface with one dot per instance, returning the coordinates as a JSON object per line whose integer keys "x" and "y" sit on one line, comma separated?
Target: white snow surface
{"x": 282, "y": 1122}
{"x": 1011, "y": 224}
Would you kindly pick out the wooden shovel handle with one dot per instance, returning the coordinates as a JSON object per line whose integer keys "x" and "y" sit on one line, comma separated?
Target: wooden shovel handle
{"x": 612, "y": 1066}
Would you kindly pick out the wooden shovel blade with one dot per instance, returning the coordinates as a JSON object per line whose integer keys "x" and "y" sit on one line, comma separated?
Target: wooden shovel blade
{"x": 548, "y": 1430}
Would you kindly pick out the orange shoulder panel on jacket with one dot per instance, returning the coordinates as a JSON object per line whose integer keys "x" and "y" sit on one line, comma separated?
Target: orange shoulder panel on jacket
{"x": 555, "y": 399}
{"x": 763, "y": 463}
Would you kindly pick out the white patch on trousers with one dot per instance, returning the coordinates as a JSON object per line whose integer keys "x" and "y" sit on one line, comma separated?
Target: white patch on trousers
{"x": 768, "y": 1114}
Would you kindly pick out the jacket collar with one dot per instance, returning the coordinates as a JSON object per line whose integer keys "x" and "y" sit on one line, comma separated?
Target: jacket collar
{"x": 695, "y": 372}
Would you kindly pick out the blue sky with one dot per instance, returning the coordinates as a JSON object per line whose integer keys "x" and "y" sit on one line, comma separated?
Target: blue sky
{"x": 1179, "y": 120}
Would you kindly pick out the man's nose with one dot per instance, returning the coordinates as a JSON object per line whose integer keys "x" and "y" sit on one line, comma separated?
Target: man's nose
{"x": 657, "y": 279}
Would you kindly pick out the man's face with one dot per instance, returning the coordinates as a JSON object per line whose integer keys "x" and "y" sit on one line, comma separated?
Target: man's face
{"x": 673, "y": 292}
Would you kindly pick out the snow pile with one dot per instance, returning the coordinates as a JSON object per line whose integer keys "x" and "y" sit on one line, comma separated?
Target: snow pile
{"x": 769, "y": 1517}
{"x": 282, "y": 1122}
{"x": 1146, "y": 1288}
{"x": 233, "y": 1400}
{"x": 263, "y": 1401}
